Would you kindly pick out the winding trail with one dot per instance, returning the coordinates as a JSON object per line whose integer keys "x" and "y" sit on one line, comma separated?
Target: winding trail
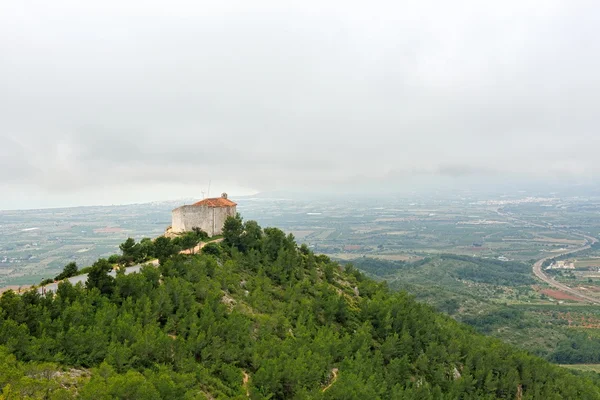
{"x": 245, "y": 381}
{"x": 199, "y": 246}
{"x": 334, "y": 372}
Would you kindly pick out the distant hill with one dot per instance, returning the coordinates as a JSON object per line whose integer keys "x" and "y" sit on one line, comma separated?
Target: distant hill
{"x": 255, "y": 317}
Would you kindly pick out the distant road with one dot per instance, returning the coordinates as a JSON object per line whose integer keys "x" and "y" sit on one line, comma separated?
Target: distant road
{"x": 537, "y": 270}
{"x": 537, "y": 267}
{"x": 53, "y": 287}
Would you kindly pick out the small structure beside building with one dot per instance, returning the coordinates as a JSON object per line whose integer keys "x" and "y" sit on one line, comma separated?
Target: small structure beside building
{"x": 562, "y": 265}
{"x": 208, "y": 215}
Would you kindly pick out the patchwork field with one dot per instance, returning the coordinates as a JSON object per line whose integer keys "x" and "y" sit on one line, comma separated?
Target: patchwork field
{"x": 558, "y": 295}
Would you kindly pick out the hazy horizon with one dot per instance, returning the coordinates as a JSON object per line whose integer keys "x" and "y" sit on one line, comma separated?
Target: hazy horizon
{"x": 127, "y": 102}
{"x": 418, "y": 193}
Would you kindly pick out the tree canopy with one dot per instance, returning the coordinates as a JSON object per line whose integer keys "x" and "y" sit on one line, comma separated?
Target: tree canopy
{"x": 260, "y": 317}
{"x": 68, "y": 271}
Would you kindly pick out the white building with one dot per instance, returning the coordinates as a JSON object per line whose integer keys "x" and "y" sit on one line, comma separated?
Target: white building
{"x": 208, "y": 215}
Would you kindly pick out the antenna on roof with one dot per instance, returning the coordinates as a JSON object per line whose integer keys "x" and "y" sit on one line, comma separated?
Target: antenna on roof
{"x": 208, "y": 194}
{"x": 202, "y": 191}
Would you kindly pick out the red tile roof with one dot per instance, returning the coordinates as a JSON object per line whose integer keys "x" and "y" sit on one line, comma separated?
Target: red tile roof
{"x": 216, "y": 202}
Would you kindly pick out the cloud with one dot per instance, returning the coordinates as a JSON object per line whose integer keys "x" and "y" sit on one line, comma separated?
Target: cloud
{"x": 294, "y": 94}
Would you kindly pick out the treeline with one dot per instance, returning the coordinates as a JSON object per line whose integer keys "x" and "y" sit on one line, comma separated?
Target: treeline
{"x": 579, "y": 348}
{"x": 258, "y": 317}
{"x": 482, "y": 270}
{"x": 383, "y": 268}
{"x": 161, "y": 247}
{"x": 492, "y": 271}
{"x": 68, "y": 271}
{"x": 499, "y": 318}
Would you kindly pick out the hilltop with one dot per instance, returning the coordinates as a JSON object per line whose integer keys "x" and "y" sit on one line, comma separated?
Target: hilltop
{"x": 256, "y": 316}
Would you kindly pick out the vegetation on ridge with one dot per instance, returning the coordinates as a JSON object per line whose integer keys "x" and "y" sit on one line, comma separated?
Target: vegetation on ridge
{"x": 255, "y": 316}
{"x": 497, "y": 298}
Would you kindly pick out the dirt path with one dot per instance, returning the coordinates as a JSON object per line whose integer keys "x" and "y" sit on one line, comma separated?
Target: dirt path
{"x": 334, "y": 373}
{"x": 199, "y": 247}
{"x": 245, "y": 381}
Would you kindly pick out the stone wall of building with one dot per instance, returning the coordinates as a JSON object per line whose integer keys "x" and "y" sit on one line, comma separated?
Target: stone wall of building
{"x": 209, "y": 219}
{"x": 220, "y": 216}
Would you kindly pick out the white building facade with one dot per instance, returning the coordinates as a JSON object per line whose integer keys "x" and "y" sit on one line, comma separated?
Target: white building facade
{"x": 208, "y": 215}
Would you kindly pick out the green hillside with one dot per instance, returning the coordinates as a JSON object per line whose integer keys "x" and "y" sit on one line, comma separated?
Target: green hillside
{"x": 497, "y": 298}
{"x": 255, "y": 317}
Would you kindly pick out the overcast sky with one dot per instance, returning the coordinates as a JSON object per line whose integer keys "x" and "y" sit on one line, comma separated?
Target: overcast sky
{"x": 108, "y": 102}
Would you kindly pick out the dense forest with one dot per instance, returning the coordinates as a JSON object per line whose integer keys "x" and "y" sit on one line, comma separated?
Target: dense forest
{"x": 483, "y": 270}
{"x": 471, "y": 289}
{"x": 255, "y": 316}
